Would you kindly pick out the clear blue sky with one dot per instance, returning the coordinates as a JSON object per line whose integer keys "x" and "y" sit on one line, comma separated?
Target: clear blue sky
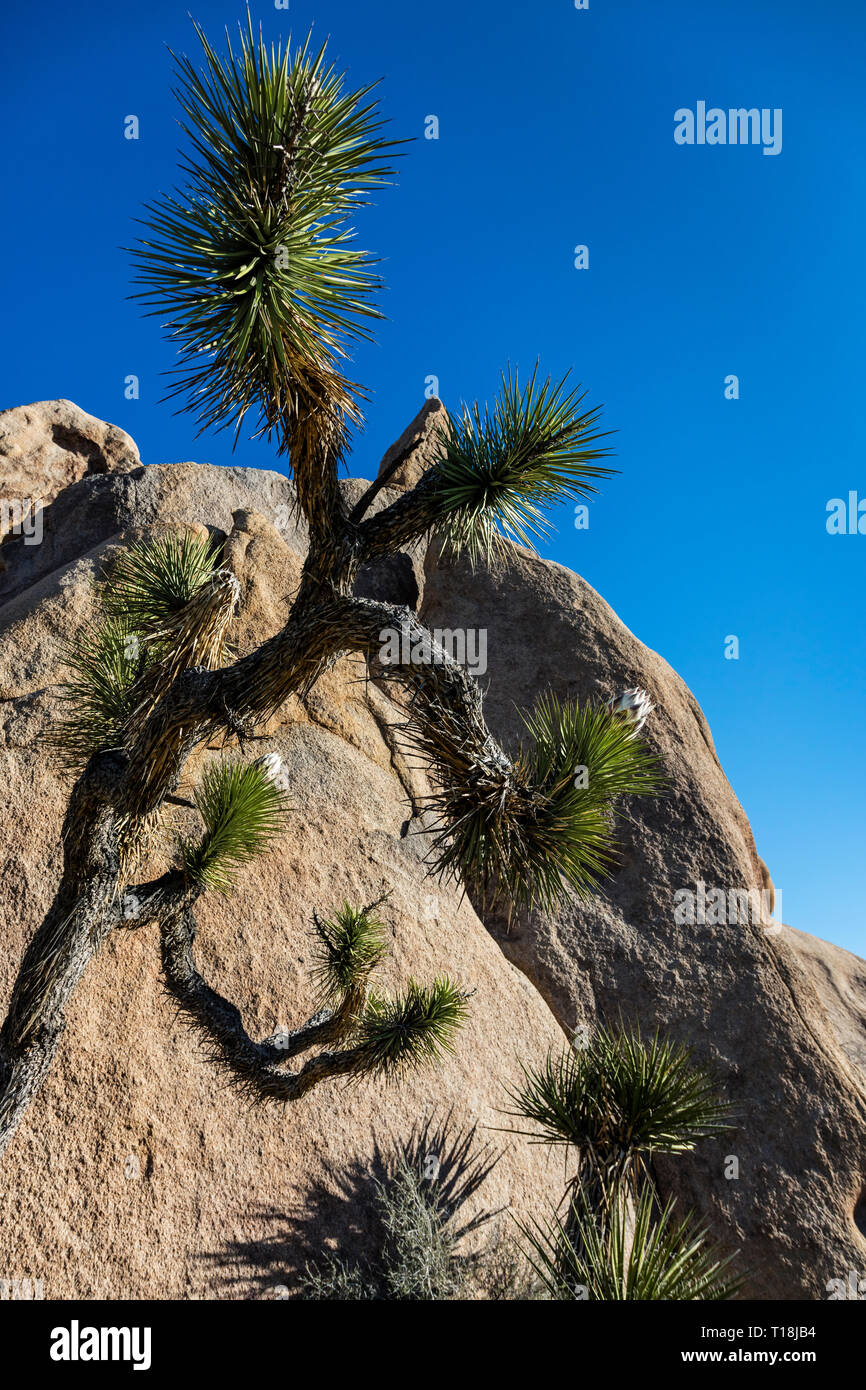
{"x": 556, "y": 129}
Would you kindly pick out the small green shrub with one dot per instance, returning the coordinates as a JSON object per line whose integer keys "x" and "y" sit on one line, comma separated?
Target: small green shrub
{"x": 421, "y": 1204}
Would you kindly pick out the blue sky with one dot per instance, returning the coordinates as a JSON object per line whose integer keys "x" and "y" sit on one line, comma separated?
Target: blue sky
{"x": 555, "y": 130}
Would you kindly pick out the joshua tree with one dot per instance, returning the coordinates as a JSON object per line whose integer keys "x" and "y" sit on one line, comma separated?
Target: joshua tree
{"x": 255, "y": 268}
{"x": 616, "y": 1102}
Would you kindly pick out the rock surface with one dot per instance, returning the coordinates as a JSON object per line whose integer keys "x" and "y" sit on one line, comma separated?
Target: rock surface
{"x": 418, "y": 445}
{"x": 399, "y": 578}
{"x": 746, "y": 996}
{"x": 137, "y": 1173}
{"x": 840, "y": 982}
{"x": 46, "y": 446}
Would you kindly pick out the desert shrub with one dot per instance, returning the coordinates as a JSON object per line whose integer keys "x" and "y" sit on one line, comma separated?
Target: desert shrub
{"x": 425, "y": 1216}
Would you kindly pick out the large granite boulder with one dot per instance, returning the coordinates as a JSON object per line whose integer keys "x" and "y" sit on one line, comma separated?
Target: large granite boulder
{"x": 136, "y": 1173}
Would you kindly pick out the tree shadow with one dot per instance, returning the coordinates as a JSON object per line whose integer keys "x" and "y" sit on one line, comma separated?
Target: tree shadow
{"x": 339, "y": 1213}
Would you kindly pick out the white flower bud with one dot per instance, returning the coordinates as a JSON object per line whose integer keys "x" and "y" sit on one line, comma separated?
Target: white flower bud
{"x": 271, "y": 765}
{"x": 633, "y": 706}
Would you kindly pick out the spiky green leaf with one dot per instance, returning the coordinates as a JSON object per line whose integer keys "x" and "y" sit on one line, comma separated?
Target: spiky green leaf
{"x": 151, "y": 581}
{"x": 413, "y": 1029}
{"x": 500, "y": 469}
{"x": 348, "y": 948}
{"x": 243, "y": 811}
{"x": 535, "y": 829}
{"x": 621, "y": 1096}
{"x": 640, "y": 1253}
{"x": 106, "y": 661}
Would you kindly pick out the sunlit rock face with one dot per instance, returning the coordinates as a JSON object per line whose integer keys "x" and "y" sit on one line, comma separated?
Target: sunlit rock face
{"x": 137, "y": 1173}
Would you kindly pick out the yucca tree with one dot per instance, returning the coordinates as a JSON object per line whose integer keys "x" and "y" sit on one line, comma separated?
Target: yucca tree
{"x": 613, "y": 1103}
{"x": 254, "y": 267}
{"x": 641, "y": 1252}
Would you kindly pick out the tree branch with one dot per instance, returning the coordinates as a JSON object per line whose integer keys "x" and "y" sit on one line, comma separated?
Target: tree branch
{"x": 255, "y": 1067}
{"x": 404, "y": 521}
{"x": 84, "y": 911}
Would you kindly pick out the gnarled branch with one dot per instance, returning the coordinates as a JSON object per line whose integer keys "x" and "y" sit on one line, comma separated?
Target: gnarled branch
{"x": 257, "y": 1068}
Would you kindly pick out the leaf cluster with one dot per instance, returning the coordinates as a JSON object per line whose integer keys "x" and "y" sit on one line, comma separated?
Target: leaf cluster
{"x": 151, "y": 622}
{"x": 243, "y": 810}
{"x": 539, "y": 828}
{"x": 253, "y": 261}
{"x": 620, "y": 1097}
{"x": 502, "y": 468}
{"x": 644, "y": 1254}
